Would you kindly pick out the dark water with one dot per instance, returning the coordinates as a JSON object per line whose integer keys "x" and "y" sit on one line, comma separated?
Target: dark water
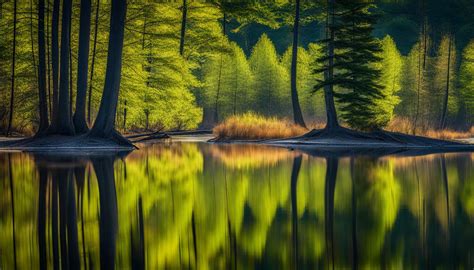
{"x": 195, "y": 205}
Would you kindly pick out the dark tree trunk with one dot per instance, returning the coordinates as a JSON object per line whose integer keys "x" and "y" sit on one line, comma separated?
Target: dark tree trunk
{"x": 104, "y": 125}
{"x": 33, "y": 56}
{"x": 183, "y": 27}
{"x": 12, "y": 91}
{"x": 96, "y": 26}
{"x": 331, "y": 113}
{"x": 442, "y": 123}
{"x": 219, "y": 78}
{"x": 297, "y": 114}
{"x": 43, "y": 103}
{"x": 48, "y": 62}
{"x": 79, "y": 118}
{"x": 55, "y": 61}
{"x": 64, "y": 123}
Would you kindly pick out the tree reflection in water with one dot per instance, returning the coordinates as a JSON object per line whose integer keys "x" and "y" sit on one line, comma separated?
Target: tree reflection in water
{"x": 229, "y": 207}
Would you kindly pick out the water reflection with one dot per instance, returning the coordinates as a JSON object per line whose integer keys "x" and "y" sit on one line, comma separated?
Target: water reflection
{"x": 235, "y": 206}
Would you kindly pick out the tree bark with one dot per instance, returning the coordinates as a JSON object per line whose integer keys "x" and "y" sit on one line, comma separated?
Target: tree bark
{"x": 64, "y": 123}
{"x": 183, "y": 27}
{"x": 104, "y": 125}
{"x": 93, "y": 62}
{"x": 79, "y": 118}
{"x": 43, "y": 104}
{"x": 297, "y": 114}
{"x": 331, "y": 114}
{"x": 446, "y": 93}
{"x": 12, "y": 91}
{"x": 55, "y": 61}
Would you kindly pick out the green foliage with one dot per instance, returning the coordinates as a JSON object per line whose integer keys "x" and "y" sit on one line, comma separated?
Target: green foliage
{"x": 272, "y": 95}
{"x": 390, "y": 79}
{"x": 466, "y": 82}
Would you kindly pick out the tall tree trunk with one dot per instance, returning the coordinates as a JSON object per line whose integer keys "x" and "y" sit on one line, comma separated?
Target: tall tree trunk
{"x": 96, "y": 26}
{"x": 79, "y": 118}
{"x": 12, "y": 92}
{"x": 55, "y": 61}
{"x": 297, "y": 114}
{"x": 43, "y": 104}
{"x": 219, "y": 78}
{"x": 331, "y": 113}
{"x": 64, "y": 123}
{"x": 442, "y": 123}
{"x": 104, "y": 125}
{"x": 48, "y": 62}
{"x": 183, "y": 27}
{"x": 33, "y": 56}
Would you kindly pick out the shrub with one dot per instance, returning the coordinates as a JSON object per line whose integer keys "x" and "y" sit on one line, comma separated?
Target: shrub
{"x": 251, "y": 126}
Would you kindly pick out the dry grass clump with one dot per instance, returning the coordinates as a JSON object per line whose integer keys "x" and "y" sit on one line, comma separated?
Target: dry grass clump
{"x": 404, "y": 125}
{"x": 251, "y": 126}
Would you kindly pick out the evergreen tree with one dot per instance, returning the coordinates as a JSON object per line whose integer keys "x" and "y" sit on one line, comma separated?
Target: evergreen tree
{"x": 390, "y": 79}
{"x": 466, "y": 85}
{"x": 270, "y": 79}
{"x": 352, "y": 71}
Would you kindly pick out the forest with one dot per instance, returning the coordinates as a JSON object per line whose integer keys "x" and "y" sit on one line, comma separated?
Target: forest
{"x": 404, "y": 65}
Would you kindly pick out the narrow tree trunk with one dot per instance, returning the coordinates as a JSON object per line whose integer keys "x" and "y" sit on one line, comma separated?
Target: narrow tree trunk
{"x": 55, "y": 62}
{"x": 104, "y": 125}
{"x": 96, "y": 26}
{"x": 125, "y": 115}
{"x": 219, "y": 78}
{"x": 297, "y": 114}
{"x": 446, "y": 93}
{"x": 43, "y": 105}
{"x": 79, "y": 118}
{"x": 48, "y": 62}
{"x": 183, "y": 27}
{"x": 331, "y": 114}
{"x": 64, "y": 123}
{"x": 33, "y": 56}
{"x": 12, "y": 92}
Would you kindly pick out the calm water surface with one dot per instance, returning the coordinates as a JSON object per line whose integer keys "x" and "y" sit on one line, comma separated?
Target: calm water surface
{"x": 196, "y": 205}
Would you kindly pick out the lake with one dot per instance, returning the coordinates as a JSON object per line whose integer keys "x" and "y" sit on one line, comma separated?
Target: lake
{"x": 208, "y": 206}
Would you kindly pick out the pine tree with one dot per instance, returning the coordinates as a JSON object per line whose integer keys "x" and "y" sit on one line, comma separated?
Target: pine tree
{"x": 270, "y": 79}
{"x": 390, "y": 79}
{"x": 466, "y": 85}
{"x": 353, "y": 73}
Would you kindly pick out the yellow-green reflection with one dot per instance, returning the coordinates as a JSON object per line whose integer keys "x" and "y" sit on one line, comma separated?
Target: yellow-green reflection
{"x": 235, "y": 206}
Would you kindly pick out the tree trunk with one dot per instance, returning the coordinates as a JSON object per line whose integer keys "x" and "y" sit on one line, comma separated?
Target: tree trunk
{"x": 219, "y": 78}
{"x": 55, "y": 62}
{"x": 33, "y": 56}
{"x": 64, "y": 123}
{"x": 79, "y": 118}
{"x": 183, "y": 27}
{"x": 297, "y": 115}
{"x": 104, "y": 125}
{"x": 96, "y": 26}
{"x": 446, "y": 93}
{"x": 43, "y": 104}
{"x": 12, "y": 92}
{"x": 331, "y": 113}
{"x": 48, "y": 62}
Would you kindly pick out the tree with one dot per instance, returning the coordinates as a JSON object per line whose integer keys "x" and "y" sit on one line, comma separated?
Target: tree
{"x": 63, "y": 120}
{"x": 104, "y": 125}
{"x": 297, "y": 114}
{"x": 445, "y": 80}
{"x": 55, "y": 62}
{"x": 466, "y": 84}
{"x": 390, "y": 79}
{"x": 79, "y": 117}
{"x": 94, "y": 48}
{"x": 43, "y": 103}
{"x": 13, "y": 69}
{"x": 269, "y": 79}
{"x": 349, "y": 63}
